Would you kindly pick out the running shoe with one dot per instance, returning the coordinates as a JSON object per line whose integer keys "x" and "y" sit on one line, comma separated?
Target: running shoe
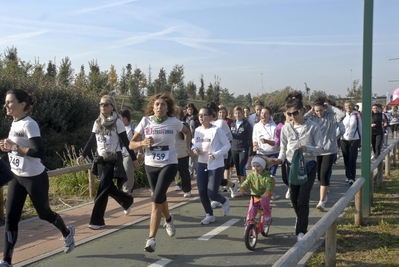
{"x": 95, "y": 226}
{"x": 169, "y": 226}
{"x": 288, "y": 194}
{"x": 208, "y": 219}
{"x": 5, "y": 264}
{"x": 320, "y": 206}
{"x": 300, "y": 236}
{"x": 187, "y": 194}
{"x": 69, "y": 242}
{"x": 150, "y": 245}
{"x": 177, "y": 188}
{"x": 215, "y": 204}
{"x": 226, "y": 207}
{"x": 351, "y": 181}
{"x": 234, "y": 189}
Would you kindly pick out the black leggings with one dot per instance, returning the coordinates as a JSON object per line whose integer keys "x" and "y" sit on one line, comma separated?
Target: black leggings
{"x": 160, "y": 179}
{"x": 324, "y": 168}
{"x": 376, "y": 142}
{"x": 37, "y": 188}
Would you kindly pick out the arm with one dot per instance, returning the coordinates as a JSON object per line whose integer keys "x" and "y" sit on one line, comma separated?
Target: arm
{"x": 221, "y": 138}
{"x": 187, "y": 136}
{"x": 36, "y": 150}
{"x": 339, "y": 114}
{"x": 125, "y": 142}
{"x": 89, "y": 145}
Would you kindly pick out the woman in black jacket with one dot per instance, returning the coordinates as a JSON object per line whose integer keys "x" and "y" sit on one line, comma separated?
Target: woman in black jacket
{"x": 241, "y": 130}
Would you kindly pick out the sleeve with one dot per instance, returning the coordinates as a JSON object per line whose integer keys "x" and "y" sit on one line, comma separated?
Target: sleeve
{"x": 125, "y": 142}
{"x": 37, "y": 149}
{"x": 247, "y": 182}
{"x": 227, "y": 130}
{"x": 140, "y": 127}
{"x": 222, "y": 139}
{"x": 339, "y": 114}
{"x": 283, "y": 143}
{"x": 317, "y": 147}
{"x": 308, "y": 115}
{"x": 92, "y": 142}
{"x": 255, "y": 134}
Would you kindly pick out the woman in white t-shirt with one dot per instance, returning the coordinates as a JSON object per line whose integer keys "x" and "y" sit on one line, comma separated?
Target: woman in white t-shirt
{"x": 159, "y": 127}
{"x": 107, "y": 133}
{"x": 25, "y": 151}
{"x": 210, "y": 144}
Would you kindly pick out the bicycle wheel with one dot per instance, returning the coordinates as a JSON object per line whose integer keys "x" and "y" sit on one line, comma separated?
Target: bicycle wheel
{"x": 251, "y": 236}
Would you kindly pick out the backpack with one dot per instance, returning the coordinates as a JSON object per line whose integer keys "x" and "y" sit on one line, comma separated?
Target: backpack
{"x": 298, "y": 173}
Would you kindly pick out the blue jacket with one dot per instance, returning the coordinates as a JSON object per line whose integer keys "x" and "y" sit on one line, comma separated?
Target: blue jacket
{"x": 242, "y": 136}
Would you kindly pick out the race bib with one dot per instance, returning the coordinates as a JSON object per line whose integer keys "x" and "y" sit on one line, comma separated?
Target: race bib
{"x": 159, "y": 154}
{"x": 16, "y": 162}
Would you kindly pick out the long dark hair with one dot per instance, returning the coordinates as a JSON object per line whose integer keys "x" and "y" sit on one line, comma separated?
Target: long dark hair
{"x": 23, "y": 96}
{"x": 294, "y": 100}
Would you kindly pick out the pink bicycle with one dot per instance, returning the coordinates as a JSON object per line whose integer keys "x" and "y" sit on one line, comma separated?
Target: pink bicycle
{"x": 254, "y": 226}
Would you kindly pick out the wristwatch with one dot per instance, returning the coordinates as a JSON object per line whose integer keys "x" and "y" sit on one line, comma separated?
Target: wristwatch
{"x": 16, "y": 148}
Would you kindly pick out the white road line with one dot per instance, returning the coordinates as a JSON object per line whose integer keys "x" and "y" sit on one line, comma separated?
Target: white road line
{"x": 160, "y": 263}
{"x": 219, "y": 229}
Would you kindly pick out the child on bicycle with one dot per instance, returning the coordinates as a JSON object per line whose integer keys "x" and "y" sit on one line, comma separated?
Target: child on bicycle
{"x": 261, "y": 185}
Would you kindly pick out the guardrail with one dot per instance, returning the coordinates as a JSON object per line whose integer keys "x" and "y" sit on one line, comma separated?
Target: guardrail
{"x": 327, "y": 225}
{"x": 54, "y": 173}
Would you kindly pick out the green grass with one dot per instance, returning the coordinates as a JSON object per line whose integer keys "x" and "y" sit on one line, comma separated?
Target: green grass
{"x": 376, "y": 242}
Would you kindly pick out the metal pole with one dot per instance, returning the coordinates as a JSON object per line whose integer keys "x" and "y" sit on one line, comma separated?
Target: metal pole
{"x": 366, "y": 118}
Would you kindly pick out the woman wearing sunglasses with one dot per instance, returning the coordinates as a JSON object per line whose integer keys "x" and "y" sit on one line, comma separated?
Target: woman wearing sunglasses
{"x": 306, "y": 135}
{"x": 327, "y": 117}
{"x": 108, "y": 130}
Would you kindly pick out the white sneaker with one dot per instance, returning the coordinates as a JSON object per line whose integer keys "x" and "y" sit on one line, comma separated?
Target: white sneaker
{"x": 300, "y": 236}
{"x": 288, "y": 194}
{"x": 346, "y": 180}
{"x": 177, "y": 188}
{"x": 275, "y": 197}
{"x": 234, "y": 189}
{"x": 226, "y": 207}
{"x": 150, "y": 245}
{"x": 372, "y": 157}
{"x": 96, "y": 227}
{"x": 170, "y": 227}
{"x": 320, "y": 206}
{"x": 351, "y": 181}
{"x": 208, "y": 219}
{"x": 187, "y": 194}
{"x": 3, "y": 263}
{"x": 325, "y": 200}
{"x": 126, "y": 212}
{"x": 215, "y": 204}
{"x": 69, "y": 241}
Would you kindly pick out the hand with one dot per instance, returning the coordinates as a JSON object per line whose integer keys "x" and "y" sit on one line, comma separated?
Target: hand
{"x": 211, "y": 156}
{"x": 276, "y": 161}
{"x": 148, "y": 141}
{"x": 136, "y": 165}
{"x": 7, "y": 145}
{"x": 79, "y": 159}
{"x": 195, "y": 151}
{"x": 303, "y": 148}
{"x": 255, "y": 148}
{"x": 263, "y": 140}
{"x": 267, "y": 194}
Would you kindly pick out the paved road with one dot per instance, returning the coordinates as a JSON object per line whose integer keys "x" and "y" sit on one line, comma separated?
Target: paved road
{"x": 223, "y": 245}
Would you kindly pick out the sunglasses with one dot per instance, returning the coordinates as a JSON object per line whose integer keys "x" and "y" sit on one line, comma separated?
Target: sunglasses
{"x": 104, "y": 104}
{"x": 290, "y": 114}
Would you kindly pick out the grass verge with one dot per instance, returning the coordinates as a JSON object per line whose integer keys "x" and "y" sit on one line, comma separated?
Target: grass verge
{"x": 376, "y": 242}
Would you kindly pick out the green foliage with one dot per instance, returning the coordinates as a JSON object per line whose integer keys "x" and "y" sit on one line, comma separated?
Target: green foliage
{"x": 140, "y": 177}
{"x": 180, "y": 95}
{"x": 71, "y": 184}
{"x": 356, "y": 92}
{"x": 191, "y": 89}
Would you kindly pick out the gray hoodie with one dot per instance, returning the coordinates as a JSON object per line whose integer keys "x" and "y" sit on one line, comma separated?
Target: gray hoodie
{"x": 310, "y": 136}
{"x": 328, "y": 126}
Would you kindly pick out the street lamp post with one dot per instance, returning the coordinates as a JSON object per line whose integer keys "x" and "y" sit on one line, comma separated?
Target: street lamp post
{"x": 262, "y": 81}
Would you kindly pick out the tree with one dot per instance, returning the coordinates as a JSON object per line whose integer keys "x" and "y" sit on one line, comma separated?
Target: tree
{"x": 160, "y": 84}
{"x": 216, "y": 90}
{"x": 81, "y": 81}
{"x": 97, "y": 81}
{"x": 65, "y": 74}
{"x": 248, "y": 100}
{"x": 209, "y": 93}
{"x": 112, "y": 78}
{"x": 180, "y": 95}
{"x": 191, "y": 89}
{"x": 226, "y": 98}
{"x": 201, "y": 91}
{"x": 123, "y": 82}
{"x": 176, "y": 77}
{"x": 51, "y": 71}
{"x": 150, "y": 85}
{"x": 356, "y": 92}
{"x": 136, "y": 92}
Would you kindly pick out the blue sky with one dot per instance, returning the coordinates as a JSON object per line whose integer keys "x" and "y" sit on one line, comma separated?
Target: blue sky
{"x": 289, "y": 41}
